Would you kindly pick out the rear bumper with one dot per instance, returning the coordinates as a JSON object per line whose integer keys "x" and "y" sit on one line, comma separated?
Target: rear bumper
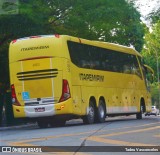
{"x": 43, "y": 110}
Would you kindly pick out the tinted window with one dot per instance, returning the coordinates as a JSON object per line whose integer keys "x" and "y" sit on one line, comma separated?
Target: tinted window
{"x": 92, "y": 57}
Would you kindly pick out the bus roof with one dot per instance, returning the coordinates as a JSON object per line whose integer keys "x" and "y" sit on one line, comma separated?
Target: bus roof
{"x": 107, "y": 45}
{"x": 111, "y": 46}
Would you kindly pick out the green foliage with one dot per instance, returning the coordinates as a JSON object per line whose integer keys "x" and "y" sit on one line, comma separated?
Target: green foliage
{"x": 12, "y": 27}
{"x": 155, "y": 14}
{"x": 112, "y": 21}
{"x": 106, "y": 20}
{"x": 155, "y": 92}
{"x": 151, "y": 50}
{"x": 151, "y": 54}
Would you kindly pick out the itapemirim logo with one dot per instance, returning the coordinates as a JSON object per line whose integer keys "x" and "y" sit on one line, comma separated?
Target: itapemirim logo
{"x": 8, "y": 7}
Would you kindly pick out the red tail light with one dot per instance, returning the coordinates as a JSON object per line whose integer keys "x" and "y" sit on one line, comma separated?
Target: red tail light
{"x": 14, "y": 97}
{"x": 14, "y": 41}
{"x": 57, "y": 35}
{"x": 65, "y": 91}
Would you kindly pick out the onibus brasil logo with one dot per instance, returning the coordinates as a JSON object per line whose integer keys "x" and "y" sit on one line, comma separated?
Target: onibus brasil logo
{"x": 8, "y": 7}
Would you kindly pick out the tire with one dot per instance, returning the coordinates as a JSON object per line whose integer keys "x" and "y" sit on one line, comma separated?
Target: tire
{"x": 139, "y": 115}
{"x": 90, "y": 117}
{"x": 42, "y": 124}
{"x": 101, "y": 112}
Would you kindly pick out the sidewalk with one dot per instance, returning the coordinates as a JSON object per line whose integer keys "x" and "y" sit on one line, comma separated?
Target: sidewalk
{"x": 18, "y": 126}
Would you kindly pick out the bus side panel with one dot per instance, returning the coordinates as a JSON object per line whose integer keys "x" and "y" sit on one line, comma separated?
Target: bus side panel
{"x": 77, "y": 101}
{"x": 128, "y": 93}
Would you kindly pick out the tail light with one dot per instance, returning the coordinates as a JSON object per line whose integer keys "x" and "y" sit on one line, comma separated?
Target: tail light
{"x": 14, "y": 41}
{"x": 65, "y": 91}
{"x": 14, "y": 97}
{"x": 57, "y": 35}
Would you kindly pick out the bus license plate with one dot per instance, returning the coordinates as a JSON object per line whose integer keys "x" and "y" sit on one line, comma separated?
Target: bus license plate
{"x": 42, "y": 109}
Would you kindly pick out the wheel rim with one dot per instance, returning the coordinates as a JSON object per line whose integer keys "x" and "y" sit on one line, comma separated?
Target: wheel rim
{"x": 91, "y": 113}
{"x": 141, "y": 109}
{"x": 101, "y": 111}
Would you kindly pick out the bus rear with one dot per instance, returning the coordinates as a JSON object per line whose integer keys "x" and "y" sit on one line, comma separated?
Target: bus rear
{"x": 38, "y": 86}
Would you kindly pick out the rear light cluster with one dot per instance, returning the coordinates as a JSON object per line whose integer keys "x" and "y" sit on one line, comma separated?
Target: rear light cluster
{"x": 14, "y": 41}
{"x": 14, "y": 97}
{"x": 65, "y": 91}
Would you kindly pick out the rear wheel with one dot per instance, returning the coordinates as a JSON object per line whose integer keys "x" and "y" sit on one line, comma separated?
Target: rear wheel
{"x": 90, "y": 117}
{"x": 139, "y": 115}
{"x": 101, "y": 112}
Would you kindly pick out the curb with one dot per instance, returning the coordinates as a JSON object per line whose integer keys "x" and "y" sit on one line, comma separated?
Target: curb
{"x": 17, "y": 127}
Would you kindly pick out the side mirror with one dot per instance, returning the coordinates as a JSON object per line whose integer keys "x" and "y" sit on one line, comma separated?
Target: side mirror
{"x": 150, "y": 73}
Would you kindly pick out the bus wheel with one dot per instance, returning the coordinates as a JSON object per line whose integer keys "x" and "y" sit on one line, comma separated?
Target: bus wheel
{"x": 90, "y": 117}
{"x": 42, "y": 124}
{"x": 101, "y": 112}
{"x": 139, "y": 115}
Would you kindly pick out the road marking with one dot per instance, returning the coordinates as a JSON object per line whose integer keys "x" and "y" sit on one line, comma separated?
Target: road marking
{"x": 19, "y": 143}
{"x": 126, "y": 132}
{"x": 26, "y": 142}
{"x": 117, "y": 142}
{"x": 22, "y": 142}
{"x": 157, "y": 136}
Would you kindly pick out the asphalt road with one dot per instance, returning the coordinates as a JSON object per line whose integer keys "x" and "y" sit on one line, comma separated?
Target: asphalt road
{"x": 127, "y": 132}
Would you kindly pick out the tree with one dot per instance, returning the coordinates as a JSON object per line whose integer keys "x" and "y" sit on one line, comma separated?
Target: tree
{"x": 13, "y": 26}
{"x": 151, "y": 54}
{"x": 112, "y": 21}
{"x": 106, "y": 20}
{"x": 155, "y": 95}
{"x": 155, "y": 14}
{"x": 151, "y": 51}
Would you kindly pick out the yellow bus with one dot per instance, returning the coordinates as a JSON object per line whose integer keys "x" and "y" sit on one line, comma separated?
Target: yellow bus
{"x": 55, "y": 78}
